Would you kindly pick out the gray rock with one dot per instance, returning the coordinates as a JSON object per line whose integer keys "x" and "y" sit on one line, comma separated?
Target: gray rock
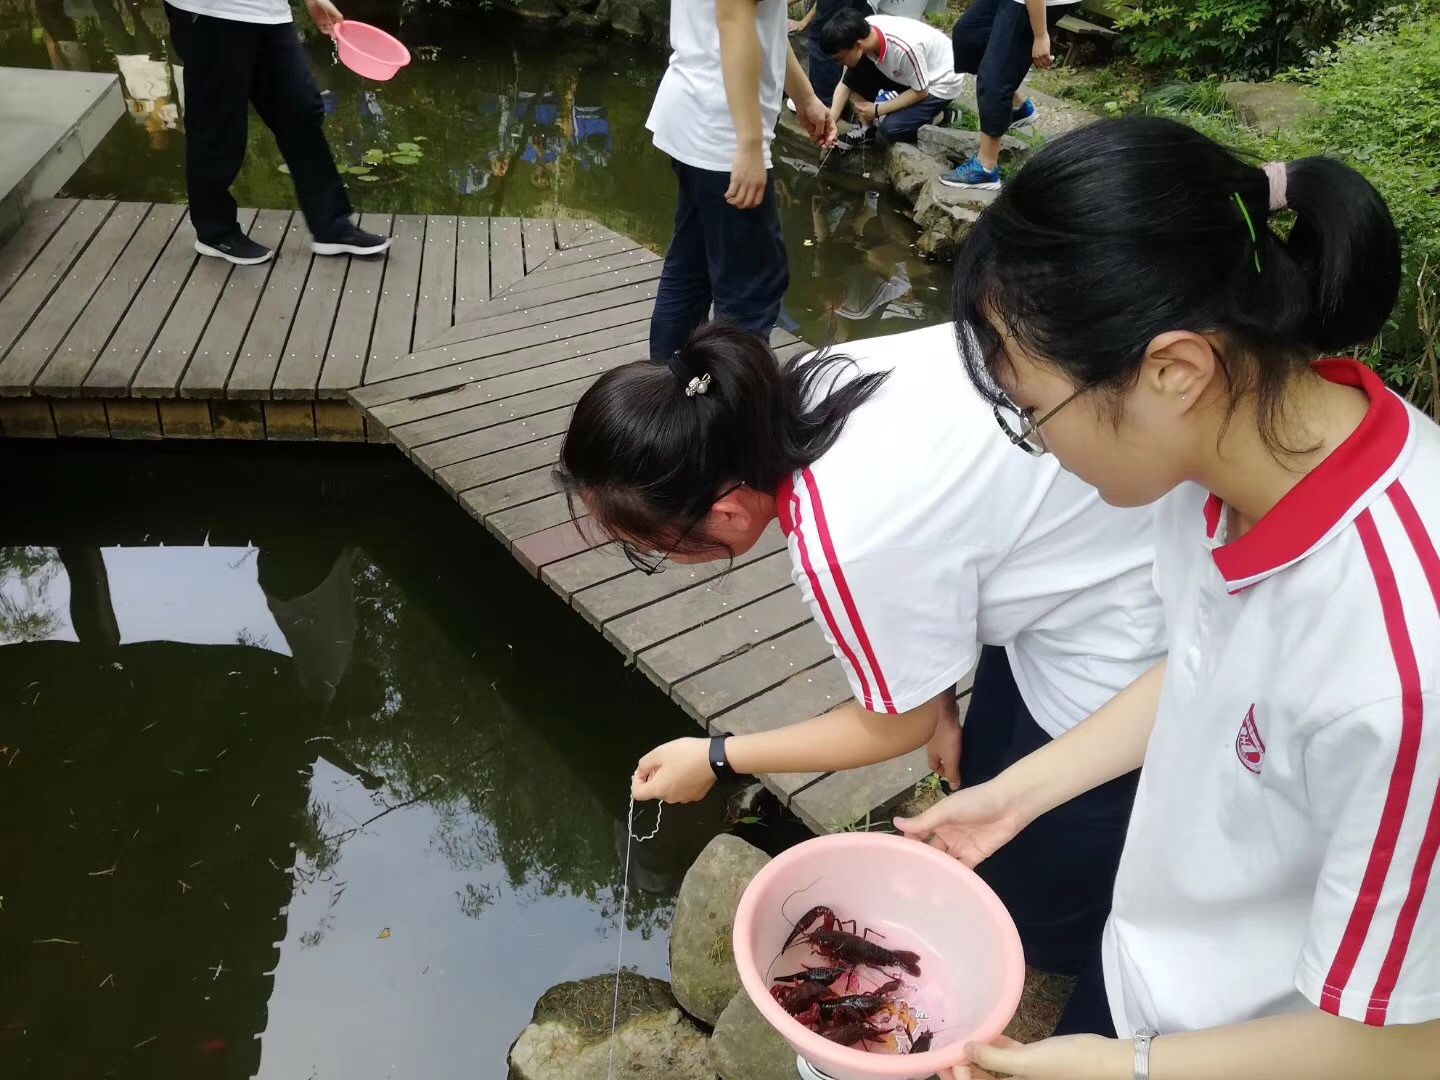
{"x": 954, "y": 146}
{"x": 632, "y": 19}
{"x": 702, "y": 961}
{"x": 536, "y": 10}
{"x": 746, "y": 1047}
{"x": 910, "y": 169}
{"x": 953, "y": 210}
{"x": 1269, "y": 107}
{"x": 1054, "y": 116}
{"x": 568, "y": 1036}
{"x": 937, "y": 245}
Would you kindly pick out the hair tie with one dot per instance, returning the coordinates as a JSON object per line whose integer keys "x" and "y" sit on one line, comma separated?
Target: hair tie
{"x": 694, "y": 384}
{"x": 1276, "y": 172}
{"x": 1249, "y": 224}
{"x": 700, "y": 384}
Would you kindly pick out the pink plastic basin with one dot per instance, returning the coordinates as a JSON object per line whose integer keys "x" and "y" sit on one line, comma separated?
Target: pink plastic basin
{"x": 369, "y": 51}
{"x": 971, "y": 963}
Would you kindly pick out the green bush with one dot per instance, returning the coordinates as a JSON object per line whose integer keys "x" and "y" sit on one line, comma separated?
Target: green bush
{"x": 1237, "y": 37}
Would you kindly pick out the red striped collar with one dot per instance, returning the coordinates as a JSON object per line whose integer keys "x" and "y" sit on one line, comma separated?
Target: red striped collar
{"x": 881, "y": 35}
{"x": 1332, "y": 496}
{"x": 784, "y": 510}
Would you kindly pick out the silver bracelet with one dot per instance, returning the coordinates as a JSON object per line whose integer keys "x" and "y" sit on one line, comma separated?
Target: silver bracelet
{"x": 1142, "y": 1052}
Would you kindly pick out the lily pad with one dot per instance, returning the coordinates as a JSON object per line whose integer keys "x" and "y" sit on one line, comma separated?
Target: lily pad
{"x": 284, "y": 168}
{"x": 404, "y": 159}
{"x": 368, "y": 179}
{"x": 373, "y": 157}
{"x": 358, "y": 170}
{"x": 422, "y": 138}
{"x": 409, "y": 147}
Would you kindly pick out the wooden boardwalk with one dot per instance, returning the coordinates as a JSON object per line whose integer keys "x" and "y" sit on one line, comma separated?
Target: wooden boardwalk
{"x": 466, "y": 347}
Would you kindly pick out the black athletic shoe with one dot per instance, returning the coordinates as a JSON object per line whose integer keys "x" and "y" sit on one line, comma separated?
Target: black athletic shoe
{"x": 236, "y": 248}
{"x": 856, "y": 138}
{"x": 348, "y": 239}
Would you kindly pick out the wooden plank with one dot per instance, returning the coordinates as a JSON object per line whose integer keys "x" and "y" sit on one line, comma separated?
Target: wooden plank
{"x": 259, "y": 355}
{"x": 576, "y": 256}
{"x": 843, "y": 798}
{"x": 289, "y": 420}
{"x": 186, "y": 420}
{"x": 164, "y": 366}
{"x": 28, "y": 294}
{"x": 338, "y": 421}
{"x": 616, "y": 598}
{"x": 238, "y": 419}
{"x": 123, "y": 353}
{"x": 517, "y": 490}
{"x": 416, "y": 397}
{"x": 435, "y": 304}
{"x": 752, "y": 627}
{"x": 478, "y": 444}
{"x": 741, "y": 677}
{"x": 350, "y": 340}
{"x": 472, "y": 261}
{"x": 219, "y": 346}
{"x": 510, "y": 345}
{"x": 80, "y": 419}
{"x": 41, "y": 222}
{"x": 132, "y": 419}
{"x": 539, "y": 550}
{"x": 507, "y": 258}
{"x": 539, "y": 242}
{"x": 26, "y": 418}
{"x": 536, "y": 299}
{"x": 479, "y": 471}
{"x": 550, "y": 312}
{"x": 491, "y": 413}
{"x": 714, "y": 599}
{"x": 395, "y": 316}
{"x": 808, "y": 692}
{"x": 571, "y": 275}
{"x": 569, "y": 231}
{"x": 520, "y": 521}
{"x": 67, "y": 369}
{"x": 603, "y": 563}
{"x": 299, "y": 370}
{"x": 33, "y": 349}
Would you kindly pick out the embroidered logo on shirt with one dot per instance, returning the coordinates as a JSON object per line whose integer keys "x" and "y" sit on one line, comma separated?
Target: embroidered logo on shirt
{"x": 1249, "y": 747}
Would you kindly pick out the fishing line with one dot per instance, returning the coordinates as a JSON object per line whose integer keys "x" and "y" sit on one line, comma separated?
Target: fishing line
{"x": 620, "y": 935}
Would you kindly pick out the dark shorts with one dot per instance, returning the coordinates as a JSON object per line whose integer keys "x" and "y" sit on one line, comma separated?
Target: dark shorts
{"x": 1058, "y": 875}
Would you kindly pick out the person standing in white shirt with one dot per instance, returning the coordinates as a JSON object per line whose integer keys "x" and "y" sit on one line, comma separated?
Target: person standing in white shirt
{"x": 1277, "y": 909}
{"x": 922, "y": 543}
{"x": 715, "y": 115}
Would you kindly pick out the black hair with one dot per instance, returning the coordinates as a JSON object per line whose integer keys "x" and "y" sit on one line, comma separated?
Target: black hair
{"x": 842, "y": 30}
{"x": 650, "y": 459}
{"x": 1127, "y": 228}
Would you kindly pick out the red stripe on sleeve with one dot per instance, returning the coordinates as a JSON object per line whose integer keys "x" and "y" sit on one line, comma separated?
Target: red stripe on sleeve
{"x": 1430, "y": 842}
{"x": 846, "y": 597}
{"x": 866, "y": 698}
{"x": 1382, "y": 851}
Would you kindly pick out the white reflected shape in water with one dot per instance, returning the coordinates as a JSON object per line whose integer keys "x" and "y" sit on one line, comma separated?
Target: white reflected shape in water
{"x": 34, "y": 596}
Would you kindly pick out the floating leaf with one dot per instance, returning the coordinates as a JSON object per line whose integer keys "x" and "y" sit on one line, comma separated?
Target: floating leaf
{"x": 385, "y": 933}
{"x": 358, "y": 170}
{"x": 284, "y": 168}
{"x": 749, "y": 821}
{"x": 373, "y": 156}
{"x": 368, "y": 179}
{"x": 409, "y": 147}
{"x": 404, "y": 159}
{"x": 422, "y": 138}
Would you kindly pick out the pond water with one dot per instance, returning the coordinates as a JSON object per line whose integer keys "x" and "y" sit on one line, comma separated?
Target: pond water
{"x": 509, "y": 120}
{"x": 300, "y": 775}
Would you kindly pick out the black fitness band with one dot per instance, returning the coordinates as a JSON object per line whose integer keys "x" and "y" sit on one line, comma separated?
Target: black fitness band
{"x": 719, "y": 763}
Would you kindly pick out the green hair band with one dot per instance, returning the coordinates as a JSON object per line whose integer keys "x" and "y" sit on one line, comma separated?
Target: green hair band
{"x": 1254, "y": 240}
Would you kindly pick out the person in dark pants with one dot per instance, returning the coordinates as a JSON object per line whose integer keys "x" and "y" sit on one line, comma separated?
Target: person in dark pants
{"x": 997, "y": 41}
{"x": 1057, "y": 888}
{"x": 824, "y": 70}
{"x": 238, "y": 53}
{"x": 715, "y": 115}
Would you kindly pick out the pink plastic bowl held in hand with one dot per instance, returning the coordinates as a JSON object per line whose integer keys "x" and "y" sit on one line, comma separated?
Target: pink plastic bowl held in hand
{"x": 369, "y": 51}
{"x": 971, "y": 963}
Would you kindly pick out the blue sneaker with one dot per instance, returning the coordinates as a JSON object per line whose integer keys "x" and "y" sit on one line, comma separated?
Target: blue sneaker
{"x": 972, "y": 175}
{"x": 1024, "y": 116}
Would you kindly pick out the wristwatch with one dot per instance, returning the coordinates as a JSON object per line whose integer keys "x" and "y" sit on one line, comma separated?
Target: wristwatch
{"x": 719, "y": 763}
{"x": 1142, "y": 1052}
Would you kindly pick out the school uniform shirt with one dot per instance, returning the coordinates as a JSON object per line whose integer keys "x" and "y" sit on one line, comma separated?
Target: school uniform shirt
{"x": 690, "y": 119}
{"x": 916, "y": 55}
{"x": 251, "y": 11}
{"x": 1282, "y": 848}
{"x": 922, "y": 533}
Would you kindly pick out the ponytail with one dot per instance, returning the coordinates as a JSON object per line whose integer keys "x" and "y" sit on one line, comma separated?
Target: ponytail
{"x": 1128, "y": 228}
{"x": 648, "y": 459}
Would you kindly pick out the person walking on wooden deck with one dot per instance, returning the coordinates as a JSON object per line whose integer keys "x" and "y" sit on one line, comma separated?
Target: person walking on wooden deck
{"x": 238, "y": 53}
{"x": 923, "y": 544}
{"x": 715, "y": 115}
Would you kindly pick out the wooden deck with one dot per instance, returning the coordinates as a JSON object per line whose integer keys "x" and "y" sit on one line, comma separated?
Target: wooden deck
{"x": 466, "y": 347}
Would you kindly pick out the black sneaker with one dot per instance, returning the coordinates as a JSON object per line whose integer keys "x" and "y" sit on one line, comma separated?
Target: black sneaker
{"x": 856, "y": 138}
{"x": 236, "y": 248}
{"x": 349, "y": 239}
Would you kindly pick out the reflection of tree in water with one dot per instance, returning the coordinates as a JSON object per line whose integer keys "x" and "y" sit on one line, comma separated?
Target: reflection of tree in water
{"x": 26, "y": 574}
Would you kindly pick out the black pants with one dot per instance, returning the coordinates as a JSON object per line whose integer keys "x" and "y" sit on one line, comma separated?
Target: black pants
{"x": 825, "y": 71}
{"x": 1058, "y": 875}
{"x": 993, "y": 41}
{"x": 229, "y": 66}
{"x": 866, "y": 81}
{"x": 732, "y": 258}
{"x": 1088, "y": 1010}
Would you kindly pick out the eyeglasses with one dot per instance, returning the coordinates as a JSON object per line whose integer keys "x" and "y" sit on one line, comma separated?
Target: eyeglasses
{"x": 654, "y": 562}
{"x": 1021, "y": 427}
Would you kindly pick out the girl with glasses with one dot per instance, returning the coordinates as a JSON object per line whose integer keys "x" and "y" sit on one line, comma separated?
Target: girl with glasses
{"x": 922, "y": 542}
{"x": 1277, "y": 910}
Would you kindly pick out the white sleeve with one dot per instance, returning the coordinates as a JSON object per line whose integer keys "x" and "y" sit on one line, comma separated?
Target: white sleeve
{"x": 1374, "y": 933}
{"x": 902, "y": 623}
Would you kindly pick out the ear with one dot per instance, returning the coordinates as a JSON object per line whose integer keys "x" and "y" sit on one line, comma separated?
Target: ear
{"x": 734, "y": 509}
{"x": 1179, "y": 366}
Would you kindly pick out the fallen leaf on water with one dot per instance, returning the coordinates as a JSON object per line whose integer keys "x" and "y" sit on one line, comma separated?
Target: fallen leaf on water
{"x": 384, "y": 933}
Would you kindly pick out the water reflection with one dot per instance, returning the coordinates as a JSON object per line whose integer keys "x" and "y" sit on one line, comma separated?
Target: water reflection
{"x": 296, "y": 781}
{"x": 511, "y": 123}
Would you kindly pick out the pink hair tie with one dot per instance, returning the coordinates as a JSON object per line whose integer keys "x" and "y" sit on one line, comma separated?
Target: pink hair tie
{"x": 1275, "y": 172}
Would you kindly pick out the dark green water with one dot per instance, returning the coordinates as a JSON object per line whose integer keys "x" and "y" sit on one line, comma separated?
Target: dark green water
{"x": 511, "y": 120}
{"x": 300, "y": 776}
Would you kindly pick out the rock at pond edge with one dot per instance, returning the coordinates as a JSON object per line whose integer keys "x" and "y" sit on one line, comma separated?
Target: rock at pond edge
{"x": 746, "y": 1047}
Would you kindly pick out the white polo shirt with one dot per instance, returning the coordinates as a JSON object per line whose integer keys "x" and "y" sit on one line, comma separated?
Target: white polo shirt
{"x": 690, "y": 119}
{"x": 1282, "y": 847}
{"x": 922, "y": 533}
{"x": 251, "y": 11}
{"x": 917, "y": 55}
